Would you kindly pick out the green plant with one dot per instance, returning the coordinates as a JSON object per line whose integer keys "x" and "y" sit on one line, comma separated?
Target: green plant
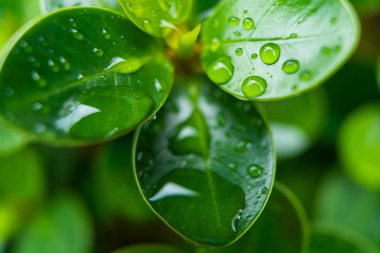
{"x": 191, "y": 80}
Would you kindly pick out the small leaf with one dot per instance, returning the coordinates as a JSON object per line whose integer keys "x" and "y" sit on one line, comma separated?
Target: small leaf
{"x": 157, "y": 17}
{"x": 50, "y": 5}
{"x": 283, "y": 227}
{"x": 149, "y": 248}
{"x": 269, "y": 50}
{"x": 359, "y": 145}
{"x": 11, "y": 140}
{"x": 204, "y": 163}
{"x": 334, "y": 239}
{"x": 83, "y": 75}
{"x": 64, "y": 227}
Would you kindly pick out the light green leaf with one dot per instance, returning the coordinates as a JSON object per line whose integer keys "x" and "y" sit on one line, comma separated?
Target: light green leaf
{"x": 50, "y": 5}
{"x": 157, "y": 17}
{"x": 282, "y": 227}
{"x": 83, "y": 75}
{"x": 149, "y": 248}
{"x": 64, "y": 227}
{"x": 206, "y": 165}
{"x": 272, "y": 49}
{"x": 359, "y": 145}
{"x": 11, "y": 140}
{"x": 328, "y": 238}
{"x": 296, "y": 123}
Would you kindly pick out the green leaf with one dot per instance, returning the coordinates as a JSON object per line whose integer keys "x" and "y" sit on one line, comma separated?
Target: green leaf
{"x": 149, "y": 248}
{"x": 22, "y": 187}
{"x": 378, "y": 71}
{"x": 157, "y": 17}
{"x": 65, "y": 226}
{"x": 283, "y": 227}
{"x": 11, "y": 140}
{"x": 332, "y": 239}
{"x": 203, "y": 9}
{"x": 50, "y": 5}
{"x": 367, "y": 7}
{"x": 206, "y": 165}
{"x": 359, "y": 145}
{"x": 340, "y": 201}
{"x": 269, "y": 50}
{"x": 83, "y": 75}
{"x": 296, "y": 123}
{"x": 114, "y": 186}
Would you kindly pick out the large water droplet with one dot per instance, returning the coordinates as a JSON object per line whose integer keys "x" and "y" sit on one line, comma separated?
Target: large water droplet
{"x": 234, "y": 21}
{"x": 255, "y": 171}
{"x": 221, "y": 70}
{"x": 239, "y": 51}
{"x": 254, "y": 86}
{"x": 248, "y": 23}
{"x": 291, "y": 66}
{"x": 270, "y": 53}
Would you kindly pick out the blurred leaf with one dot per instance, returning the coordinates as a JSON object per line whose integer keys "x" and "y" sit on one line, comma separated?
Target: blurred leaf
{"x": 114, "y": 185}
{"x": 268, "y": 50}
{"x": 21, "y": 189}
{"x": 149, "y": 248}
{"x": 206, "y": 165}
{"x": 367, "y": 7}
{"x": 84, "y": 75}
{"x": 203, "y": 9}
{"x": 344, "y": 203}
{"x": 378, "y": 71}
{"x": 65, "y": 226}
{"x": 50, "y": 5}
{"x": 296, "y": 123}
{"x": 359, "y": 145}
{"x": 283, "y": 227}
{"x": 11, "y": 140}
{"x": 333, "y": 239}
{"x": 157, "y": 17}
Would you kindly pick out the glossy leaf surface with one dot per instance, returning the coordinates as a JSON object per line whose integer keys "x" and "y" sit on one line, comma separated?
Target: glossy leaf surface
{"x": 206, "y": 165}
{"x": 342, "y": 202}
{"x": 267, "y": 50}
{"x": 149, "y": 248}
{"x": 359, "y": 145}
{"x": 282, "y": 227}
{"x": 11, "y": 140}
{"x": 157, "y": 17}
{"x": 64, "y": 227}
{"x": 50, "y": 5}
{"x": 83, "y": 75}
{"x": 332, "y": 239}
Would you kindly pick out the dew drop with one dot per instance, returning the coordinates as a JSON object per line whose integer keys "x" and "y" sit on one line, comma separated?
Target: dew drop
{"x": 333, "y": 20}
{"x": 239, "y": 51}
{"x": 254, "y": 56}
{"x": 37, "y": 106}
{"x": 77, "y": 34}
{"x": 215, "y": 45}
{"x": 234, "y": 21}
{"x": 264, "y": 191}
{"x": 242, "y": 146}
{"x": 237, "y": 34}
{"x": 291, "y": 66}
{"x": 293, "y": 35}
{"x": 221, "y": 70}
{"x": 305, "y": 76}
{"x": 325, "y": 51}
{"x": 98, "y": 52}
{"x": 245, "y": 11}
{"x": 255, "y": 171}
{"x": 148, "y": 25}
{"x": 248, "y": 23}
{"x": 270, "y": 53}
{"x": 106, "y": 35}
{"x": 254, "y": 86}
{"x": 129, "y": 6}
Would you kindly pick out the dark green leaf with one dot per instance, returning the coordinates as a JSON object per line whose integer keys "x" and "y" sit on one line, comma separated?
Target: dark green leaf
{"x": 11, "y": 140}
{"x": 359, "y": 145}
{"x": 282, "y": 227}
{"x": 378, "y": 71}
{"x": 272, "y": 49}
{"x": 157, "y": 17}
{"x": 49, "y": 5}
{"x": 64, "y": 227}
{"x": 149, "y": 248}
{"x": 367, "y": 7}
{"x": 206, "y": 165}
{"x": 340, "y": 201}
{"x": 83, "y": 75}
{"x": 203, "y": 9}
{"x": 333, "y": 239}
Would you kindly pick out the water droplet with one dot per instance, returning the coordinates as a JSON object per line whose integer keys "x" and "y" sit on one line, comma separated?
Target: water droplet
{"x": 148, "y": 25}
{"x": 72, "y": 22}
{"x": 333, "y": 20}
{"x": 37, "y": 106}
{"x": 291, "y": 66}
{"x": 255, "y": 171}
{"x": 305, "y": 76}
{"x": 106, "y": 35}
{"x": 129, "y": 6}
{"x": 293, "y": 35}
{"x": 31, "y": 59}
{"x": 221, "y": 70}
{"x": 98, "y": 52}
{"x": 235, "y": 221}
{"x": 248, "y": 23}
{"x": 265, "y": 191}
{"x": 242, "y": 146}
{"x": 237, "y": 34}
{"x": 270, "y": 53}
{"x": 53, "y": 66}
{"x": 77, "y": 34}
{"x": 234, "y": 21}
{"x": 325, "y": 51}
{"x": 254, "y": 56}
{"x": 232, "y": 167}
{"x": 239, "y": 51}
{"x": 39, "y": 128}
{"x": 215, "y": 45}
{"x": 245, "y": 11}
{"x": 254, "y": 86}
{"x": 65, "y": 63}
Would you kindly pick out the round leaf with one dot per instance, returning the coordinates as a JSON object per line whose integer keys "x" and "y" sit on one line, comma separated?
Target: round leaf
{"x": 359, "y": 145}
{"x": 157, "y": 17}
{"x": 50, "y": 5}
{"x": 83, "y": 75}
{"x": 206, "y": 165}
{"x": 149, "y": 248}
{"x": 267, "y": 50}
{"x": 11, "y": 140}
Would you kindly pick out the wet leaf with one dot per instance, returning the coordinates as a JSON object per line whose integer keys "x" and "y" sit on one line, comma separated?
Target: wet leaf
{"x": 149, "y": 248}
{"x": 157, "y": 17}
{"x": 206, "y": 165}
{"x": 269, "y": 50}
{"x": 50, "y": 5}
{"x": 83, "y": 75}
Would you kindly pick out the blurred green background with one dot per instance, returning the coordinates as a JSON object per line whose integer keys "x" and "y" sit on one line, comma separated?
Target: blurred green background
{"x": 85, "y": 200}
